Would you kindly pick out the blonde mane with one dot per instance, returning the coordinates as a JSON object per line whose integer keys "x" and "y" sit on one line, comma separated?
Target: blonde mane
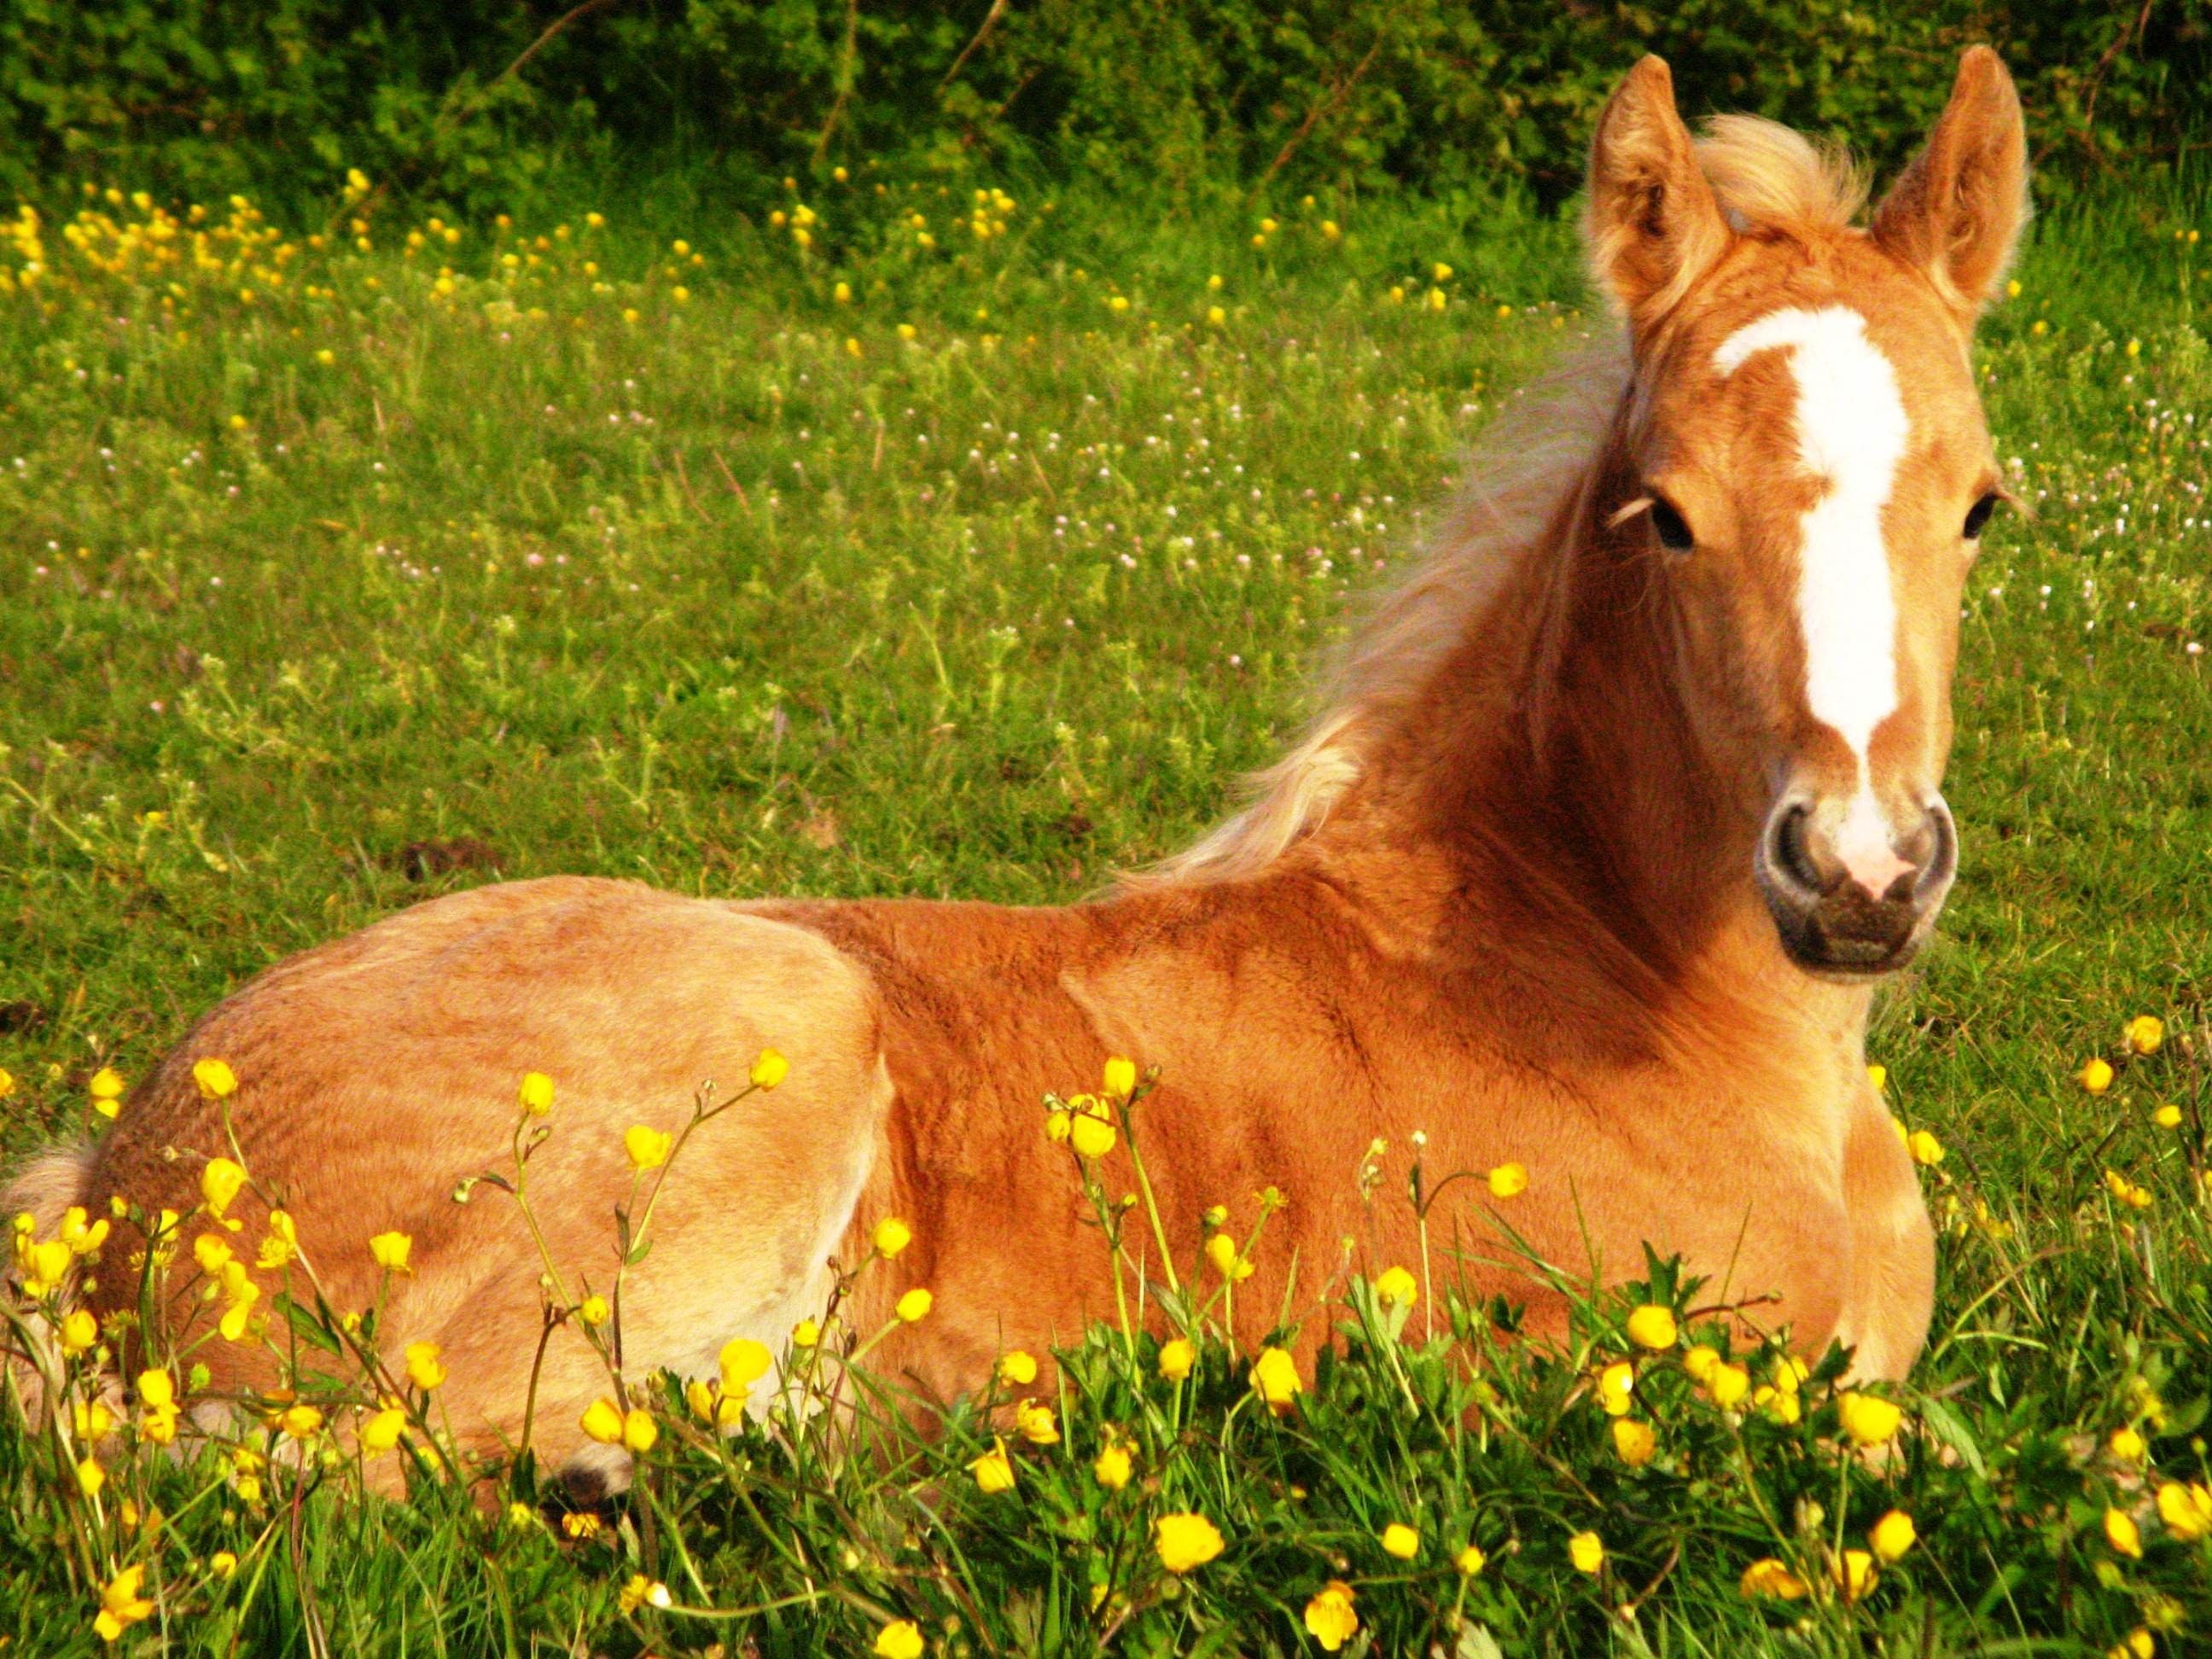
{"x": 1766, "y": 177}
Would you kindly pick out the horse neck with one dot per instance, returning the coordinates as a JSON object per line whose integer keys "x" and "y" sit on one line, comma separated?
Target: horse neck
{"x": 1550, "y": 779}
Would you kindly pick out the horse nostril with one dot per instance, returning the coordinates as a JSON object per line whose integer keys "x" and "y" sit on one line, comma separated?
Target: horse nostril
{"x": 1940, "y": 861}
{"x": 1786, "y": 850}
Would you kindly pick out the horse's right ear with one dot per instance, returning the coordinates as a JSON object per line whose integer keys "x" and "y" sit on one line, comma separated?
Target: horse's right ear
{"x": 1652, "y": 226}
{"x": 1957, "y": 210}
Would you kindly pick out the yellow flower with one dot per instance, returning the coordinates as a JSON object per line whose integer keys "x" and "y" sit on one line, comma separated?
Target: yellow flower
{"x": 1056, "y": 1126}
{"x": 120, "y": 1604}
{"x": 1397, "y": 1286}
{"x": 1090, "y": 1136}
{"x": 381, "y": 1432}
{"x": 1701, "y": 1362}
{"x": 900, "y": 1639}
{"x": 300, "y": 1421}
{"x": 2146, "y": 1034}
{"x": 79, "y": 1331}
{"x": 1769, "y": 1576}
{"x": 593, "y": 1310}
{"x": 1855, "y": 1574}
{"x": 1330, "y": 1620}
{"x": 1615, "y": 1384}
{"x": 1111, "y": 1467}
{"x": 647, "y": 1147}
{"x": 914, "y": 1306}
{"x": 1868, "y": 1418}
{"x": 239, "y": 1293}
{"x": 1878, "y": 1076}
{"x": 2127, "y": 1445}
{"x": 1275, "y": 1378}
{"x": 536, "y": 1094}
{"x": 639, "y": 1430}
{"x": 1117, "y": 303}
{"x": 390, "y": 1251}
{"x": 1221, "y": 1251}
{"x": 641, "y": 1591}
{"x": 1176, "y": 1358}
{"x": 1508, "y": 1180}
{"x": 1586, "y": 1551}
{"x": 222, "y": 1563}
{"x": 2126, "y": 1191}
{"x": 1470, "y": 1561}
{"x": 90, "y": 1477}
{"x": 1635, "y": 1441}
{"x": 106, "y": 1086}
{"x": 1400, "y": 1540}
{"x": 1652, "y": 1327}
{"x": 906, "y": 330}
{"x": 892, "y": 1236}
{"x": 603, "y": 1421}
{"x": 2137, "y": 1644}
{"x": 7, "y": 1083}
{"x": 1924, "y": 1147}
{"x": 92, "y": 1421}
{"x": 2122, "y": 1535}
{"x": 2096, "y": 1077}
{"x": 2167, "y": 1116}
{"x": 770, "y": 1069}
{"x": 1891, "y": 1536}
{"x": 282, "y": 1243}
{"x": 1215, "y": 316}
{"x": 842, "y": 294}
{"x": 1017, "y": 1368}
{"x": 157, "y": 1390}
{"x": 219, "y": 1184}
{"x": 994, "y": 1470}
{"x": 215, "y": 1079}
{"x": 1121, "y": 1077}
{"x": 1035, "y": 1423}
{"x": 743, "y": 1361}
{"x": 805, "y": 1334}
{"x": 1185, "y": 1542}
{"x": 2186, "y": 1509}
{"x": 424, "y": 1369}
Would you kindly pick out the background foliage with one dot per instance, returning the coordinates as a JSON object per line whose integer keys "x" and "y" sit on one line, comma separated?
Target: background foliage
{"x": 478, "y": 100}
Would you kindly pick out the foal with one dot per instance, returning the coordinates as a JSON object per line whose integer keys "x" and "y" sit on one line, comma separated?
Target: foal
{"x": 1623, "y": 803}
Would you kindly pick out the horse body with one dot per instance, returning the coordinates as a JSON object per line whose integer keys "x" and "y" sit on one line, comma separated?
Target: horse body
{"x": 1498, "y": 898}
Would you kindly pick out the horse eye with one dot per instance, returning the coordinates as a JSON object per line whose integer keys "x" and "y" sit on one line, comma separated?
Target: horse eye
{"x": 1977, "y": 516}
{"x": 1672, "y": 532}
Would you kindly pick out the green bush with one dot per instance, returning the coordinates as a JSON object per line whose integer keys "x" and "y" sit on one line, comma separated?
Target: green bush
{"x": 472, "y": 100}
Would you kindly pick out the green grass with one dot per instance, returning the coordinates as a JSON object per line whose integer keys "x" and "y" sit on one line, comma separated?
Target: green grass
{"x": 707, "y": 599}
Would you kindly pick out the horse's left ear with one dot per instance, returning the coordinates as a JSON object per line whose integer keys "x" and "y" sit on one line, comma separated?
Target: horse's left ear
{"x": 1956, "y": 212}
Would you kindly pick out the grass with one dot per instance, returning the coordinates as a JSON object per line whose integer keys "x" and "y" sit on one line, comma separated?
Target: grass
{"x": 322, "y": 596}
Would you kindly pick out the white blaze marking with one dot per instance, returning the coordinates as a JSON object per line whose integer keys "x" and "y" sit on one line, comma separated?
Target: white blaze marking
{"x": 1851, "y": 433}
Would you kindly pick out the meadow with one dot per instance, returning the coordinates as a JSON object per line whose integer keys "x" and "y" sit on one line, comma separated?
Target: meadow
{"x": 965, "y": 540}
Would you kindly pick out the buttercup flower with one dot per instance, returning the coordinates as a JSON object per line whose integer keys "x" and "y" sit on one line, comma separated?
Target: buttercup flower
{"x": 1176, "y": 1358}
{"x": 536, "y": 1094}
{"x": 424, "y": 1369}
{"x": 639, "y": 1430}
{"x": 120, "y": 1604}
{"x": 1924, "y": 1148}
{"x": 2186, "y": 1509}
{"x": 1652, "y": 1327}
{"x": 647, "y": 1147}
{"x": 914, "y": 1305}
{"x": 1090, "y": 1134}
{"x": 603, "y": 1421}
{"x": 1018, "y": 1369}
{"x": 1470, "y": 1561}
{"x": 390, "y": 1251}
{"x": 1400, "y": 1540}
{"x": 106, "y": 1090}
{"x": 1855, "y": 1574}
{"x": 1330, "y": 1620}
{"x": 1397, "y": 1286}
{"x": 1616, "y": 1384}
{"x": 1586, "y": 1551}
{"x": 641, "y": 1591}
{"x": 282, "y": 1244}
{"x": 900, "y": 1639}
{"x": 1891, "y": 1536}
{"x": 892, "y": 1236}
{"x": 300, "y": 1421}
{"x": 994, "y": 1470}
{"x": 381, "y": 1432}
{"x": 1111, "y": 1467}
{"x": 743, "y": 1361}
{"x": 2127, "y": 1445}
{"x": 1121, "y": 1079}
{"x": 2122, "y": 1535}
{"x": 593, "y": 1310}
{"x": 215, "y": 1078}
{"x": 1275, "y": 1379}
{"x": 805, "y": 1334}
{"x": 1508, "y": 1180}
{"x": 1221, "y": 1250}
{"x": 2146, "y": 1034}
{"x": 1634, "y": 1441}
{"x": 1035, "y": 1423}
{"x": 770, "y": 1069}
{"x": 219, "y": 1184}
{"x": 1185, "y": 1542}
{"x": 1868, "y": 1418}
{"x": 2096, "y": 1077}
{"x": 79, "y": 1331}
{"x": 1769, "y": 1576}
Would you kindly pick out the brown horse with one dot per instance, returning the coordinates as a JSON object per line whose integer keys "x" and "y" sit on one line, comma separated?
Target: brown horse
{"x": 1622, "y": 804}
